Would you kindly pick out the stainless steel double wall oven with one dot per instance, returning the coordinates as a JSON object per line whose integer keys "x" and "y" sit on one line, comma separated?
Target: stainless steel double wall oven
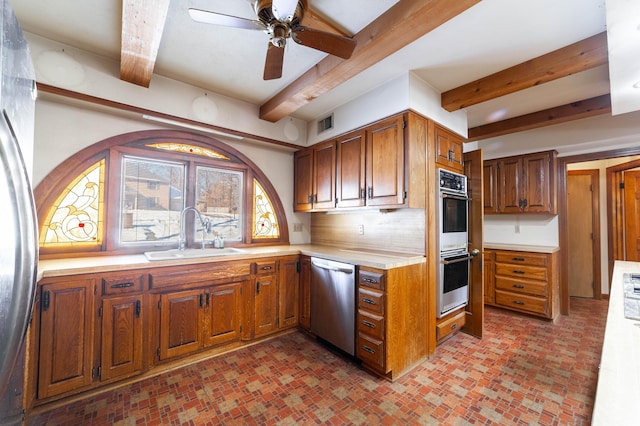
{"x": 453, "y": 225}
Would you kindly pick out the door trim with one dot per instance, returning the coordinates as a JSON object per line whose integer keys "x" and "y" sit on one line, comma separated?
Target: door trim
{"x": 562, "y": 211}
{"x": 595, "y": 226}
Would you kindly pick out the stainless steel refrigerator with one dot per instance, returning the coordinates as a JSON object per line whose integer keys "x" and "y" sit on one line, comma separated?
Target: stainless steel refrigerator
{"x": 18, "y": 223}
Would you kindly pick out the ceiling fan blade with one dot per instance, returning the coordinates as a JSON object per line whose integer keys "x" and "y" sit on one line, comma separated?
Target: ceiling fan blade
{"x": 207, "y": 17}
{"x": 284, "y": 10}
{"x": 273, "y": 63}
{"x": 333, "y": 44}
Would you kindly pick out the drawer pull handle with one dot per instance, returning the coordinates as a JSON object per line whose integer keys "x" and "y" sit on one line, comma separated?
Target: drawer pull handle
{"x": 369, "y": 301}
{"x": 266, "y": 268}
{"x": 454, "y": 326}
{"x": 369, "y": 324}
{"x": 518, "y": 302}
{"x": 368, "y": 349}
{"x": 519, "y": 259}
{"x": 122, "y": 285}
{"x": 518, "y": 286}
{"x": 369, "y": 280}
{"x": 519, "y": 272}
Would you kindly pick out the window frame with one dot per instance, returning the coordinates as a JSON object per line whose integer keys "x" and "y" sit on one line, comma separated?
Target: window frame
{"x": 133, "y": 144}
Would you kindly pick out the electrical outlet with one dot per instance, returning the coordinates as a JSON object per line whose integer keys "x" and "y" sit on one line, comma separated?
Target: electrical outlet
{"x": 361, "y": 229}
{"x": 297, "y": 227}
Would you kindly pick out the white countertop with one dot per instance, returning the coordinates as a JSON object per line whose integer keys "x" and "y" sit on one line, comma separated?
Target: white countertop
{"x": 618, "y": 394}
{"x": 520, "y": 247}
{"x": 363, "y": 257}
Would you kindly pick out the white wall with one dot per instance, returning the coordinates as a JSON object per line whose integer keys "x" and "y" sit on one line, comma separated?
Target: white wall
{"x": 62, "y": 130}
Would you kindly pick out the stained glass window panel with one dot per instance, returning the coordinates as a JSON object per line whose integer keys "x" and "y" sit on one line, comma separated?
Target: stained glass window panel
{"x": 77, "y": 216}
{"x": 265, "y": 222}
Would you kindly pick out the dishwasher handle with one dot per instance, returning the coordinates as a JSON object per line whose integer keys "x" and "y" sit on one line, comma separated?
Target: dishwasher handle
{"x": 331, "y": 268}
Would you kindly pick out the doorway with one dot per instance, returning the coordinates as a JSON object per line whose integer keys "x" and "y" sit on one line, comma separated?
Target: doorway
{"x": 583, "y": 204}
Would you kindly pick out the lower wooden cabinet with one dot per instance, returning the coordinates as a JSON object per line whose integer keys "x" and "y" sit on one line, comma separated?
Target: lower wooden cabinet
{"x": 266, "y": 304}
{"x": 304, "y": 320}
{"x": 66, "y": 336}
{"x": 524, "y": 281}
{"x": 122, "y": 341}
{"x": 391, "y": 319}
{"x": 181, "y": 323}
{"x": 449, "y": 325}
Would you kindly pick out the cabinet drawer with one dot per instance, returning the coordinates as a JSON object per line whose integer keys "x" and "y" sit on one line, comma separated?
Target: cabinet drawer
{"x": 371, "y": 301}
{"x": 531, "y": 259}
{"x": 371, "y": 279}
{"x": 265, "y": 267}
{"x": 522, "y": 302}
{"x": 115, "y": 285}
{"x": 522, "y": 271}
{"x": 370, "y": 350}
{"x": 372, "y": 325}
{"x": 449, "y": 326}
{"x": 538, "y": 288}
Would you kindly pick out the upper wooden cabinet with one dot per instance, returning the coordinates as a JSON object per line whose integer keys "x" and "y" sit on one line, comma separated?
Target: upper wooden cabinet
{"x": 521, "y": 184}
{"x": 350, "y": 169}
{"x": 448, "y": 148}
{"x": 314, "y": 177}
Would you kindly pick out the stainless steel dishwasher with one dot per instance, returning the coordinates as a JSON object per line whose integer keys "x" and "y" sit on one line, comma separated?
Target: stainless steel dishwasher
{"x": 333, "y": 303}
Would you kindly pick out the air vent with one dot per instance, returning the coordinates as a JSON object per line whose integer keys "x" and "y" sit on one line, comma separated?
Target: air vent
{"x": 325, "y": 124}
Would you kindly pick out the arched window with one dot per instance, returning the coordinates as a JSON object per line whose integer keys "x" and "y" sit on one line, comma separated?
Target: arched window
{"x": 130, "y": 193}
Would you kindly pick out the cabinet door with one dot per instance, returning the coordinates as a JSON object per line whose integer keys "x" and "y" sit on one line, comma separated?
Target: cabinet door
{"x": 223, "y": 314}
{"x": 350, "y": 170}
{"x": 288, "y": 292}
{"x": 510, "y": 176}
{"x": 121, "y": 336}
{"x": 266, "y": 305}
{"x": 180, "y": 323}
{"x": 385, "y": 163}
{"x": 303, "y": 180}
{"x": 305, "y": 292}
{"x": 66, "y": 336}
{"x": 448, "y": 149}
{"x": 489, "y": 277}
{"x": 490, "y": 186}
{"x": 324, "y": 186}
{"x": 537, "y": 169}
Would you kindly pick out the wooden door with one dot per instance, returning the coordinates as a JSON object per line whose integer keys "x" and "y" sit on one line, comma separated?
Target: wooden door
{"x": 288, "y": 290}
{"x": 266, "y": 305}
{"x": 121, "y": 336}
{"x": 632, "y": 215}
{"x": 303, "y": 180}
{"x": 305, "y": 293}
{"x": 582, "y": 211}
{"x": 489, "y": 185}
{"x": 181, "y": 320}
{"x": 350, "y": 170}
{"x": 223, "y": 314}
{"x": 510, "y": 185}
{"x": 537, "y": 182}
{"x": 448, "y": 149}
{"x": 324, "y": 186}
{"x": 385, "y": 163}
{"x": 66, "y": 336}
{"x": 473, "y": 166}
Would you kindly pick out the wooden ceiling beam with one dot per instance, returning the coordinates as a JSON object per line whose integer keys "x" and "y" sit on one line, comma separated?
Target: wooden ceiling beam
{"x": 561, "y": 114}
{"x": 402, "y": 24}
{"x": 142, "y": 25}
{"x": 581, "y": 56}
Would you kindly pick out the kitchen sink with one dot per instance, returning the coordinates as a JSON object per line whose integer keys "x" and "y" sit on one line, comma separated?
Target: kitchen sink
{"x": 191, "y": 253}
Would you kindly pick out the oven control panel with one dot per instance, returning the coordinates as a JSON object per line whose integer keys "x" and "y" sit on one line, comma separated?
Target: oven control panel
{"x": 452, "y": 181}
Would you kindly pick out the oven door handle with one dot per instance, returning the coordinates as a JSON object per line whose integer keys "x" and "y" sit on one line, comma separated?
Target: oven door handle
{"x": 462, "y": 259}
{"x": 455, "y": 197}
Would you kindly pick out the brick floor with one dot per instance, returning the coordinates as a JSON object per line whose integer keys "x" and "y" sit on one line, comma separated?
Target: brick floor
{"x": 525, "y": 371}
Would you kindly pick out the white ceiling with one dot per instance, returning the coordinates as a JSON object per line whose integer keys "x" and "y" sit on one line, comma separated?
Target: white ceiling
{"x": 490, "y": 36}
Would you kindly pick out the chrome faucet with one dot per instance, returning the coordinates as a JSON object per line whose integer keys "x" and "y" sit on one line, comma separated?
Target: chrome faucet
{"x": 206, "y": 226}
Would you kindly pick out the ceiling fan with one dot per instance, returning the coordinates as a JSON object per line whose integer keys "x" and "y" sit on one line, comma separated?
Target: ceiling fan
{"x": 281, "y": 19}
